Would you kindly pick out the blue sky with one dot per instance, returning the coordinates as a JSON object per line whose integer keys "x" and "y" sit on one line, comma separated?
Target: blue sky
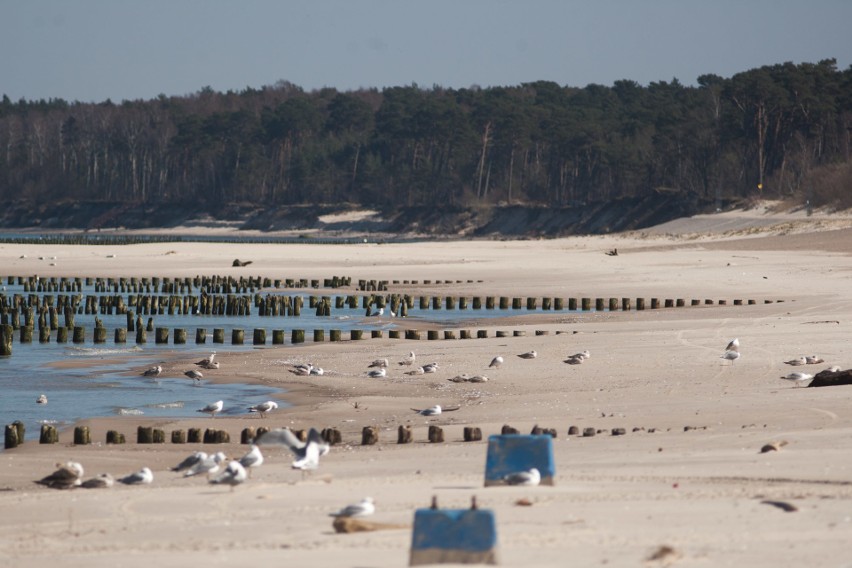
{"x": 91, "y": 50}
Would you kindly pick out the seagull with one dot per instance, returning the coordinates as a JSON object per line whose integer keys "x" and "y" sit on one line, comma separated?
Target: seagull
{"x": 153, "y": 371}
{"x": 307, "y": 453}
{"x": 302, "y": 370}
{"x": 730, "y": 356}
{"x": 528, "y": 355}
{"x": 252, "y": 459}
{"x": 478, "y": 379}
{"x": 102, "y": 481}
{"x": 144, "y": 475}
{"x": 317, "y": 371}
{"x": 66, "y": 476}
{"x": 797, "y": 361}
{"x": 190, "y": 461}
{"x": 381, "y": 363}
{"x": 430, "y": 367}
{"x": 575, "y": 360}
{"x": 210, "y": 365}
{"x": 581, "y": 355}
{"x": 434, "y": 410}
{"x": 362, "y": 509}
{"x": 207, "y": 360}
{"x": 798, "y": 377}
{"x": 813, "y": 360}
{"x": 463, "y": 378}
{"x": 232, "y": 475}
{"x": 212, "y": 409}
{"x": 496, "y": 362}
{"x": 42, "y": 399}
{"x": 408, "y": 361}
{"x": 417, "y": 371}
{"x": 733, "y": 345}
{"x": 264, "y": 407}
{"x": 208, "y": 465}
{"x": 529, "y": 478}
{"x": 377, "y": 374}
{"x": 194, "y": 375}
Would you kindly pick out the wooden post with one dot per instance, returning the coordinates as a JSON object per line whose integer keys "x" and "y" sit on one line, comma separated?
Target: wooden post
{"x": 114, "y": 437}
{"x": 613, "y": 304}
{"x": 218, "y": 335}
{"x": 141, "y": 335}
{"x": 180, "y": 336}
{"x": 507, "y": 430}
{"x": 625, "y": 304}
{"x": 193, "y": 436}
{"x": 334, "y": 335}
{"x": 489, "y": 302}
{"x": 369, "y": 435}
{"x": 120, "y": 335}
{"x": 356, "y": 334}
{"x": 100, "y": 334}
{"x": 79, "y": 334}
{"x": 432, "y": 334}
{"x": 472, "y": 434}
{"x": 26, "y": 334}
{"x": 482, "y": 334}
{"x": 640, "y": 303}
{"x": 319, "y": 335}
{"x": 477, "y": 303}
{"x": 413, "y": 334}
{"x": 669, "y": 303}
{"x": 532, "y": 303}
{"x": 504, "y": 303}
{"x": 332, "y": 436}
{"x": 144, "y": 435}
{"x": 178, "y": 437}
{"x": 465, "y": 334}
{"x": 376, "y": 333}
{"x": 82, "y": 436}
{"x": 572, "y": 304}
{"x": 403, "y": 435}
{"x": 436, "y": 434}
{"x": 248, "y": 435}
{"x": 48, "y": 434}
{"x": 158, "y": 436}
{"x": 161, "y": 335}
{"x": 11, "y": 438}
{"x": 237, "y": 336}
{"x": 200, "y": 335}
{"x": 6, "y": 332}
{"x": 449, "y": 334}
{"x": 259, "y": 337}
{"x": 393, "y": 334}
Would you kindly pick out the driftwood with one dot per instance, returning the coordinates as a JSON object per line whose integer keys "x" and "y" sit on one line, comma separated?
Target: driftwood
{"x": 238, "y": 262}
{"x": 350, "y": 525}
{"x": 830, "y": 379}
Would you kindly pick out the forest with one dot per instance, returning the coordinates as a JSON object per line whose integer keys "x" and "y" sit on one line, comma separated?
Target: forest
{"x": 779, "y": 132}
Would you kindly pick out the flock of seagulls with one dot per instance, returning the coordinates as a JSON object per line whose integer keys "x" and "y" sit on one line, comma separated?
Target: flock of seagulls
{"x": 799, "y": 378}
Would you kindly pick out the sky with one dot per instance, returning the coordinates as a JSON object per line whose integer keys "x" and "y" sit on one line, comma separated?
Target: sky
{"x": 94, "y": 50}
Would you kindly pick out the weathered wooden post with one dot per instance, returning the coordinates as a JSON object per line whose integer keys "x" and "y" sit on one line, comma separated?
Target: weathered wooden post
{"x": 297, "y": 336}
{"x": 332, "y": 436}
{"x": 369, "y": 435}
{"x": 6, "y": 332}
{"x": 144, "y": 435}
{"x": 48, "y": 434}
{"x": 200, "y": 335}
{"x": 504, "y": 303}
{"x": 403, "y": 435}
{"x": 161, "y": 335}
{"x": 259, "y": 337}
{"x": 11, "y": 437}
{"x": 334, "y": 335}
{"x": 114, "y": 437}
{"x": 356, "y": 334}
{"x": 625, "y": 304}
{"x": 82, "y": 437}
{"x": 79, "y": 334}
{"x": 319, "y": 335}
{"x": 100, "y": 334}
{"x": 472, "y": 434}
{"x": 413, "y": 334}
{"x": 178, "y": 437}
{"x": 26, "y": 334}
{"x": 640, "y": 304}
{"x": 120, "y": 335}
{"x": 436, "y": 434}
{"x": 193, "y": 436}
{"x": 218, "y": 335}
{"x": 237, "y": 336}
{"x": 432, "y": 334}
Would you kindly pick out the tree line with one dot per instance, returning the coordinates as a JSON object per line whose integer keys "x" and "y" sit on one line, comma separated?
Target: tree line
{"x": 779, "y": 131}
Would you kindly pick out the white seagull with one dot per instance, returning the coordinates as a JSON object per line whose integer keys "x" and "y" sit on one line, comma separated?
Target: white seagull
{"x": 208, "y": 465}
{"x": 798, "y": 377}
{"x": 733, "y": 345}
{"x": 528, "y": 355}
{"x": 101, "y": 481}
{"x": 66, "y": 476}
{"x": 813, "y": 360}
{"x": 318, "y": 371}
{"x": 252, "y": 459}
{"x": 797, "y": 361}
{"x": 433, "y": 410}
{"x": 417, "y": 371}
{"x": 42, "y": 399}
{"x": 377, "y": 373}
{"x": 207, "y": 360}
{"x": 194, "y": 375}
{"x": 210, "y": 365}
{"x": 190, "y": 461}
{"x": 529, "y": 478}
{"x": 730, "y": 356}
{"x": 408, "y": 361}
{"x": 362, "y": 509}
{"x": 496, "y": 362}
{"x": 264, "y": 407}
{"x": 143, "y": 476}
{"x": 430, "y": 368}
{"x": 380, "y": 363}
{"x": 153, "y": 371}
{"x": 232, "y": 475}
{"x": 212, "y": 409}
{"x": 307, "y": 453}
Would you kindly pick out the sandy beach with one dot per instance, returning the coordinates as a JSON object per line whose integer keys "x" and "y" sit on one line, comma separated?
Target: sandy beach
{"x": 686, "y": 485}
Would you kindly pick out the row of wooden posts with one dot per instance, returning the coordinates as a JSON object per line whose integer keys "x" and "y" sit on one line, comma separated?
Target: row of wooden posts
{"x": 369, "y": 434}
{"x": 210, "y": 284}
{"x": 14, "y": 435}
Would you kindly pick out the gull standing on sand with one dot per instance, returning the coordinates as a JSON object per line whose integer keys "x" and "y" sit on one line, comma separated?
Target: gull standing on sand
{"x": 208, "y": 465}
{"x": 264, "y": 407}
{"x": 380, "y": 363}
{"x": 143, "y": 476}
{"x": 207, "y": 360}
{"x": 798, "y": 377}
{"x": 66, "y": 476}
{"x": 434, "y": 410}
{"x": 194, "y": 375}
{"x": 190, "y": 461}
{"x": 730, "y": 356}
{"x": 232, "y": 475}
{"x": 377, "y": 373}
{"x": 528, "y": 478}
{"x": 496, "y": 362}
{"x": 252, "y": 459}
{"x": 153, "y": 371}
{"x": 364, "y": 508}
{"x": 408, "y": 361}
{"x": 307, "y": 453}
{"x": 528, "y": 355}
{"x": 212, "y": 409}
